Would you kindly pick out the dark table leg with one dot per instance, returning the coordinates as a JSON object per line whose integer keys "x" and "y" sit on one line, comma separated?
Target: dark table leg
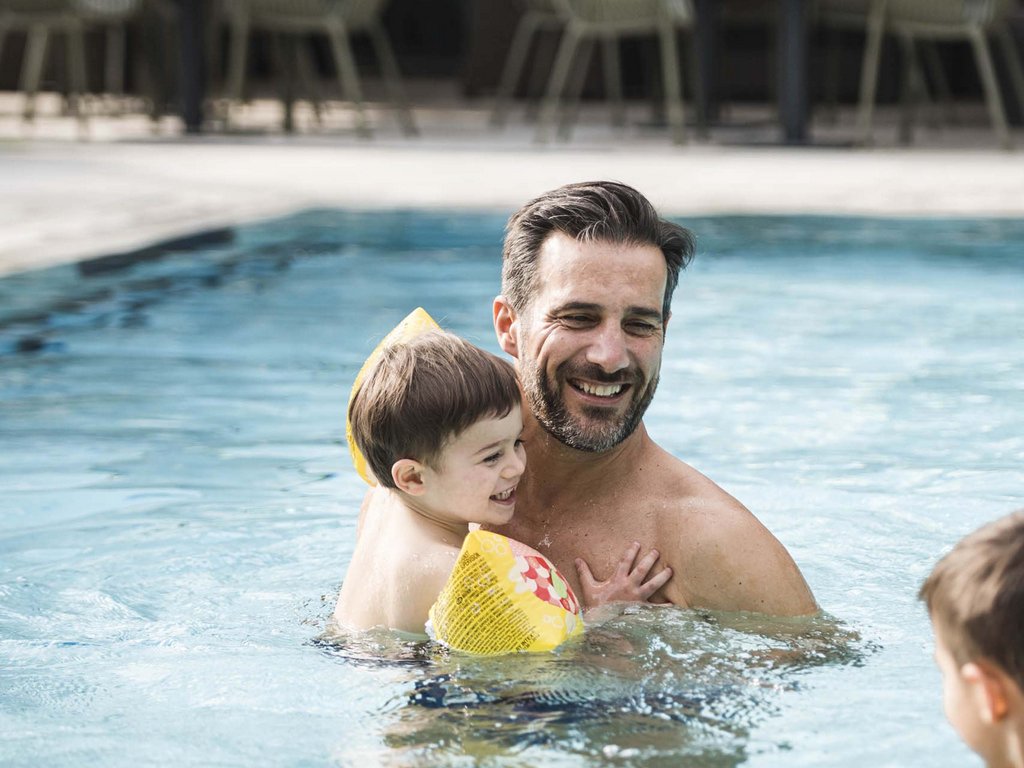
{"x": 793, "y": 70}
{"x": 193, "y": 70}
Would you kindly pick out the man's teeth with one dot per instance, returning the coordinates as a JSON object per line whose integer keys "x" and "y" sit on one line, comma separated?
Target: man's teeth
{"x": 601, "y": 390}
{"x": 503, "y": 495}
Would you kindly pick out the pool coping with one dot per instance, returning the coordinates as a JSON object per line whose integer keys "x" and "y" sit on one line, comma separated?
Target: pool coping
{"x": 73, "y": 201}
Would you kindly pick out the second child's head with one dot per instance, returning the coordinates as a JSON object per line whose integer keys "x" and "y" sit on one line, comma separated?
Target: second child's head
{"x": 439, "y": 419}
{"x": 975, "y": 597}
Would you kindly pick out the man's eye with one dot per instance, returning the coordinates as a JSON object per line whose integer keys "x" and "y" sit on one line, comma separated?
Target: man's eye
{"x": 576, "y": 321}
{"x": 639, "y": 328}
{"x": 492, "y": 458}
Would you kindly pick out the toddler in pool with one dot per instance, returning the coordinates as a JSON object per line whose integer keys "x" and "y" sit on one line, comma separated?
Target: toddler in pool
{"x": 439, "y": 423}
{"x": 975, "y": 598}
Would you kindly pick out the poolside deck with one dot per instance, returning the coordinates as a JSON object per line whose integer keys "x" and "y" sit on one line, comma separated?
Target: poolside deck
{"x": 65, "y": 198}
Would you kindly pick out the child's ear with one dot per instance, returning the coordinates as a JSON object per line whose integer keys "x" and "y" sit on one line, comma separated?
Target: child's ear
{"x": 408, "y": 476}
{"x": 988, "y": 687}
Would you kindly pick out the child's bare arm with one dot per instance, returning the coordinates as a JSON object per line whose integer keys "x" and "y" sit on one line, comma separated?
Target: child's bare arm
{"x": 629, "y": 583}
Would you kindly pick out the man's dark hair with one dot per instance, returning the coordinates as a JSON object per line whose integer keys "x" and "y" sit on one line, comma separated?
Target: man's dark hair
{"x": 588, "y": 211}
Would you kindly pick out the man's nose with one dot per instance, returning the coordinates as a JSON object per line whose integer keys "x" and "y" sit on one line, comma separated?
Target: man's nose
{"x": 608, "y": 348}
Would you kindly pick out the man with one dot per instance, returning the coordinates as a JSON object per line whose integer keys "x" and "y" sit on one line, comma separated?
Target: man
{"x": 587, "y": 280}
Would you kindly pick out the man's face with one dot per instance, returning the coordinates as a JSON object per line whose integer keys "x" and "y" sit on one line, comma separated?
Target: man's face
{"x": 589, "y": 342}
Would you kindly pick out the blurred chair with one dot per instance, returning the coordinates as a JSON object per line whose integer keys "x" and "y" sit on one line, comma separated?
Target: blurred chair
{"x": 337, "y": 19}
{"x": 540, "y": 16}
{"x": 931, "y": 20}
{"x": 156, "y": 57}
{"x": 838, "y": 16}
{"x": 43, "y": 19}
{"x": 609, "y": 21}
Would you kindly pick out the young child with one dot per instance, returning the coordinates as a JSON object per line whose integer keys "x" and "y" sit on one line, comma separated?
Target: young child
{"x": 440, "y": 425}
{"x": 975, "y": 598}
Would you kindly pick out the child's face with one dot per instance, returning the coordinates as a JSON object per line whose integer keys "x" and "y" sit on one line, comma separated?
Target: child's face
{"x": 478, "y": 472}
{"x": 962, "y": 710}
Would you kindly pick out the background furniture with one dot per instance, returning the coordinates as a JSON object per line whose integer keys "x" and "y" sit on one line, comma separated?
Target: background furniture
{"x": 288, "y": 20}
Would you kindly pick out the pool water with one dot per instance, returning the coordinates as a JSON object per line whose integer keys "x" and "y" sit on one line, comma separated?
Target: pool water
{"x": 177, "y": 508}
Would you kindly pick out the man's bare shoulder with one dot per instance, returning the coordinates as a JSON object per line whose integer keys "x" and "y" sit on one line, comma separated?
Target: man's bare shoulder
{"x": 731, "y": 560}
{"x": 677, "y": 483}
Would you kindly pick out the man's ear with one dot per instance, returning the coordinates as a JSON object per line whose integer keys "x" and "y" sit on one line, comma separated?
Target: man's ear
{"x": 506, "y": 326}
{"x": 988, "y": 686}
{"x": 664, "y": 323}
{"x": 408, "y": 475}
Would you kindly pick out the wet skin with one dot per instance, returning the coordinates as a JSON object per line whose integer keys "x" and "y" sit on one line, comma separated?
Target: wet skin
{"x": 588, "y": 349}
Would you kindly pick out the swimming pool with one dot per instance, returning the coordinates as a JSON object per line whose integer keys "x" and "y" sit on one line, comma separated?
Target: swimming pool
{"x": 178, "y": 506}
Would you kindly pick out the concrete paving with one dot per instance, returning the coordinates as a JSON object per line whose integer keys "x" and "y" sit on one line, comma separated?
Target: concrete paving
{"x": 68, "y": 195}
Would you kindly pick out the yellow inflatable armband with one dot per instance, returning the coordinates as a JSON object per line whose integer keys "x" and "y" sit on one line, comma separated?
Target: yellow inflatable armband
{"x": 502, "y": 597}
{"x": 415, "y": 323}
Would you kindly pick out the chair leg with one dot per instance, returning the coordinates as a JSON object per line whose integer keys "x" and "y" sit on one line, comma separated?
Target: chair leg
{"x": 988, "y": 78}
{"x": 1013, "y": 64}
{"x": 393, "y": 79}
{"x": 3, "y": 36}
{"x": 306, "y": 74}
{"x": 937, "y": 74}
{"x": 546, "y": 50}
{"x": 345, "y": 64}
{"x": 512, "y": 71}
{"x": 151, "y": 50}
{"x": 238, "y": 40}
{"x": 574, "y": 89}
{"x": 869, "y": 71}
{"x": 32, "y": 68}
{"x": 76, "y": 73}
{"x": 833, "y": 51}
{"x": 672, "y": 83}
{"x": 113, "y": 76}
{"x": 282, "y": 47}
{"x": 556, "y": 84}
{"x": 613, "y": 81}
{"x": 695, "y": 81}
{"x": 912, "y": 90}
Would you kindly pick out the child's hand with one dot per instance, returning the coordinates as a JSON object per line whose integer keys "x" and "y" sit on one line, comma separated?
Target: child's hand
{"x": 627, "y": 584}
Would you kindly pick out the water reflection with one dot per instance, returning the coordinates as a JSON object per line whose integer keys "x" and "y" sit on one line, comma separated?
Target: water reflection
{"x": 651, "y": 687}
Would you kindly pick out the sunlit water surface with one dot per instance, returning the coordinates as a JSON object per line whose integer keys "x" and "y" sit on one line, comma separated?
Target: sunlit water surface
{"x": 177, "y": 508}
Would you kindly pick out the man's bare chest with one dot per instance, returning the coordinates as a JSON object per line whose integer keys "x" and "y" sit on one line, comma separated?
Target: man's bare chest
{"x": 599, "y": 540}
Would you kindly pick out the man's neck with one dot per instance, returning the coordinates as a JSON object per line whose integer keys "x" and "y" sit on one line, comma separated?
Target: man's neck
{"x": 555, "y": 471}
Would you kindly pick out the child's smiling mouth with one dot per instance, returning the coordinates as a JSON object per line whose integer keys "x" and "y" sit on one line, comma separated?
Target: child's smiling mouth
{"x": 505, "y": 496}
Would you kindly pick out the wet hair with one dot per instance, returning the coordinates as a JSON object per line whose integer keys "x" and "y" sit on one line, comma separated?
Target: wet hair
{"x": 975, "y": 596}
{"x": 422, "y": 393}
{"x": 592, "y": 211}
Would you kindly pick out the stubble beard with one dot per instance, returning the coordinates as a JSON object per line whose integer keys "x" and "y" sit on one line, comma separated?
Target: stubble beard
{"x": 598, "y": 431}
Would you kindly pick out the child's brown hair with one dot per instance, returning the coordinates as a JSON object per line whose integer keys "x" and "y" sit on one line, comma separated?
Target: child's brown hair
{"x": 975, "y": 596}
{"x": 423, "y": 392}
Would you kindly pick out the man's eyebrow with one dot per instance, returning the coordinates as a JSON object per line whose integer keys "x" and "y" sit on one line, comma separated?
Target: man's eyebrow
{"x": 578, "y": 306}
{"x": 653, "y": 314}
{"x": 583, "y": 306}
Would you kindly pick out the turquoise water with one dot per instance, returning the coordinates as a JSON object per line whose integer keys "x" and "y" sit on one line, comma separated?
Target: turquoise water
{"x": 177, "y": 508}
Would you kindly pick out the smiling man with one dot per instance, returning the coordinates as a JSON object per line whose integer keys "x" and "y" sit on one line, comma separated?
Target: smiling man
{"x": 587, "y": 280}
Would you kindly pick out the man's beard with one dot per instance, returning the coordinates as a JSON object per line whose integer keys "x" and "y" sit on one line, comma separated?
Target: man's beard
{"x": 599, "y": 430}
